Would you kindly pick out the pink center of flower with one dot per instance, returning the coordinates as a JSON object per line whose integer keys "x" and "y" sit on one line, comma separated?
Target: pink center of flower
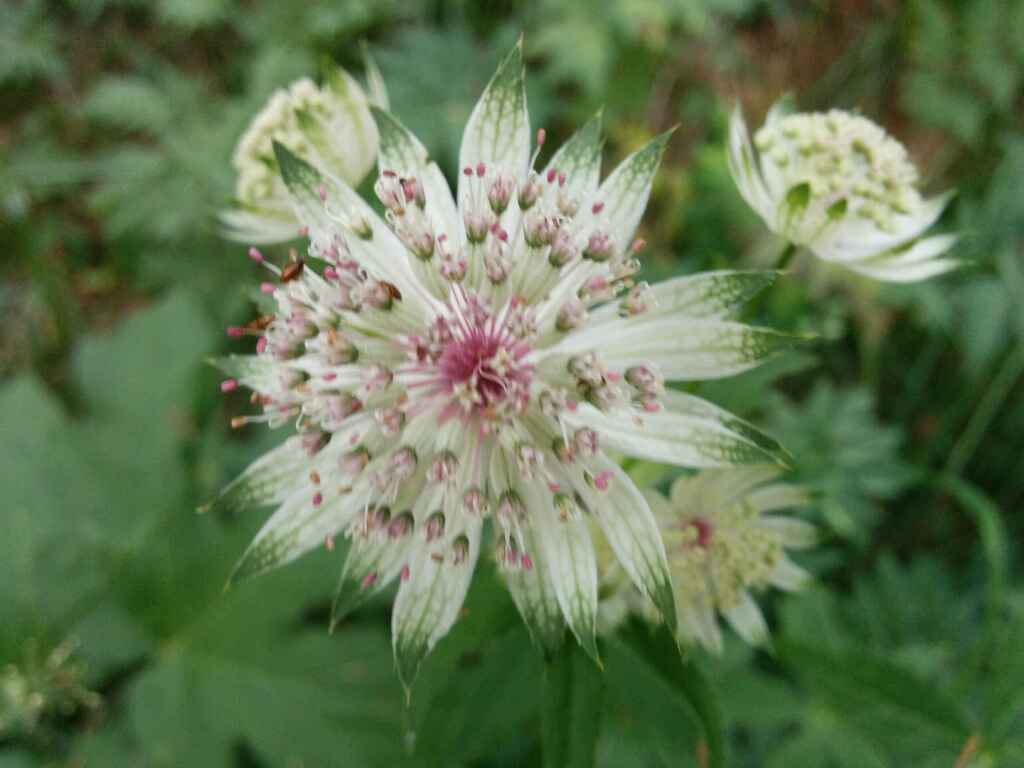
{"x": 473, "y": 361}
{"x": 703, "y": 529}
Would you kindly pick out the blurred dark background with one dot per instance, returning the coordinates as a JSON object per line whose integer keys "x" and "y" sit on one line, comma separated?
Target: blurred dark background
{"x": 117, "y": 646}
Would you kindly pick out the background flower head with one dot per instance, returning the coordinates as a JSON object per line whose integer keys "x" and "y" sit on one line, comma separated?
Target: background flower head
{"x": 836, "y": 183}
{"x": 724, "y": 542}
{"x": 328, "y": 124}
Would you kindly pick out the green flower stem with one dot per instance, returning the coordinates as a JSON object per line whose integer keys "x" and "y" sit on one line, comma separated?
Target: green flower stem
{"x": 572, "y": 699}
{"x": 786, "y": 256}
{"x": 996, "y": 393}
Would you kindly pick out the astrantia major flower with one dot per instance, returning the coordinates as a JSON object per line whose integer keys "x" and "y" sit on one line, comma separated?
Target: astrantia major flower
{"x": 838, "y": 185}
{"x": 458, "y": 372}
{"x": 723, "y": 544}
{"x": 328, "y": 124}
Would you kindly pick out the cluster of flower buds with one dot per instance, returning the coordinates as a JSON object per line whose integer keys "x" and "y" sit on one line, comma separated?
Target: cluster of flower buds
{"x": 601, "y": 287}
{"x": 406, "y": 202}
{"x": 510, "y": 516}
{"x": 845, "y": 156}
{"x": 329, "y": 122}
{"x": 594, "y": 383}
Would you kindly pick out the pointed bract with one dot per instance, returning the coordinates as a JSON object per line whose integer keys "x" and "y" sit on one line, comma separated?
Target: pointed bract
{"x": 497, "y": 134}
{"x": 631, "y": 530}
{"x": 534, "y": 595}
{"x": 429, "y": 600}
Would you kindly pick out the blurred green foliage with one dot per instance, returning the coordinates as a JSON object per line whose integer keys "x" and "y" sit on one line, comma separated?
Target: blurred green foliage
{"x": 905, "y": 417}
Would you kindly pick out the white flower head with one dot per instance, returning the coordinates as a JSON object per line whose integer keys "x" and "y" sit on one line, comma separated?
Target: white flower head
{"x": 458, "y": 370}
{"x": 723, "y": 544}
{"x": 41, "y": 686}
{"x": 329, "y": 125}
{"x": 837, "y": 184}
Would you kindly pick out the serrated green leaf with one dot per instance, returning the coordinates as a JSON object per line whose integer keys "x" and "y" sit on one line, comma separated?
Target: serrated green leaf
{"x": 128, "y": 102}
{"x": 858, "y": 678}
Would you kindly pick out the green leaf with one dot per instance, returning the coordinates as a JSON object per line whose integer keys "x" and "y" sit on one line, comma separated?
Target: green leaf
{"x": 295, "y": 695}
{"x": 80, "y": 493}
{"x": 130, "y": 103}
{"x": 30, "y": 39}
{"x": 53, "y": 504}
{"x": 478, "y": 692}
{"x": 571, "y": 703}
{"x": 856, "y": 678}
{"x": 435, "y": 101}
{"x": 190, "y": 15}
{"x": 19, "y": 759}
{"x": 138, "y": 383}
{"x": 843, "y": 452}
{"x": 991, "y": 532}
{"x": 655, "y": 653}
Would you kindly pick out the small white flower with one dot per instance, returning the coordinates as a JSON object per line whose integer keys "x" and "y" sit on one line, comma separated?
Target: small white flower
{"x": 328, "y": 125}
{"x": 722, "y": 544}
{"x": 468, "y": 360}
{"x": 838, "y": 185}
{"x": 42, "y": 686}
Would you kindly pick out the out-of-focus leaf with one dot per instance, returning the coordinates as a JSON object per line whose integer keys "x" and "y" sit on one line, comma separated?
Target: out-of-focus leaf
{"x": 137, "y": 384}
{"x": 301, "y": 696}
{"x": 855, "y": 679}
{"x": 19, "y": 759}
{"x": 29, "y": 38}
{"x": 194, "y": 14}
{"x": 945, "y": 104}
{"x": 687, "y": 681}
{"x": 991, "y": 532}
{"x": 79, "y": 491}
{"x": 54, "y": 505}
{"x": 571, "y": 708}
{"x": 982, "y": 311}
{"x": 128, "y": 102}
{"x": 842, "y": 451}
{"x": 478, "y": 692}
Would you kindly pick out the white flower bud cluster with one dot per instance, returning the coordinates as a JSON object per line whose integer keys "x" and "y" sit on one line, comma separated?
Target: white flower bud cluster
{"x": 844, "y": 159}
{"x": 258, "y": 178}
{"x": 838, "y": 185}
{"x": 330, "y": 124}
